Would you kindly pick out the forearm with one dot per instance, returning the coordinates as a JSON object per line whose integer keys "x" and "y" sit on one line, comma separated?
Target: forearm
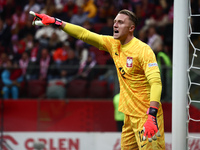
{"x": 156, "y": 89}
{"x": 82, "y": 34}
{"x": 74, "y": 30}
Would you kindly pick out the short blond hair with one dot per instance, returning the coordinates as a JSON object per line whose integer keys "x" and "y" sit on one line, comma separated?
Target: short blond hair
{"x": 131, "y": 15}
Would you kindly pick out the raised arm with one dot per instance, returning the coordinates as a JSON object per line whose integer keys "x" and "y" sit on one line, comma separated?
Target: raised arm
{"x": 82, "y": 34}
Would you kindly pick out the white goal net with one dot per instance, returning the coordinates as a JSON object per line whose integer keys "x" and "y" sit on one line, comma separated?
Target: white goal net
{"x": 193, "y": 78}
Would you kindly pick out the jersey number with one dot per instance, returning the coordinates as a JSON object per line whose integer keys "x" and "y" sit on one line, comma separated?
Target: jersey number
{"x": 122, "y": 72}
{"x": 140, "y": 134}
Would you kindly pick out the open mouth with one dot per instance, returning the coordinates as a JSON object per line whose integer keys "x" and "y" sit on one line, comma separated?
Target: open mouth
{"x": 116, "y": 31}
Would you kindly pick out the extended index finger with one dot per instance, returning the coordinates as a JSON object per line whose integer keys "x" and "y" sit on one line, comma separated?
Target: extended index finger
{"x": 36, "y": 15}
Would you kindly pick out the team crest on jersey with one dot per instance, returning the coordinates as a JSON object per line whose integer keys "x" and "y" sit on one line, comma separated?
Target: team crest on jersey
{"x": 129, "y": 62}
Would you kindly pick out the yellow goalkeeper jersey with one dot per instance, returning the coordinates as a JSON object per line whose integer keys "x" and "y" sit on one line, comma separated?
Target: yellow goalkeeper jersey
{"x": 134, "y": 61}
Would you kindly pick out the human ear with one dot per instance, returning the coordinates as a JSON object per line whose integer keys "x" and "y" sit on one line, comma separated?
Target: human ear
{"x": 132, "y": 28}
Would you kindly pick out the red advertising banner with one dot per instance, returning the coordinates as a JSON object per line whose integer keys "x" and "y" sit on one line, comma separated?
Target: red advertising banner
{"x": 71, "y": 115}
{"x": 58, "y": 115}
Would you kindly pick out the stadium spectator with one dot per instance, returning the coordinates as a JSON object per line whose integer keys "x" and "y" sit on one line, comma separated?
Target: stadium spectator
{"x": 2, "y": 5}
{"x": 86, "y": 70}
{"x": 45, "y": 33}
{"x": 32, "y": 65}
{"x": 159, "y": 19}
{"x": 32, "y": 6}
{"x": 19, "y": 20}
{"x": 11, "y": 78}
{"x": 69, "y": 68}
{"x": 101, "y": 14}
{"x": 79, "y": 18}
{"x": 142, "y": 16}
{"x": 18, "y": 46}
{"x": 49, "y": 8}
{"x": 90, "y": 9}
{"x": 35, "y": 50}
{"x": 168, "y": 30}
{"x": 53, "y": 41}
{"x": 5, "y": 36}
{"x": 142, "y": 35}
{"x": 154, "y": 39}
{"x": 44, "y": 62}
{"x": 8, "y": 9}
{"x": 108, "y": 28}
{"x": 88, "y": 25}
{"x": 82, "y": 52}
{"x": 3, "y": 61}
{"x": 29, "y": 40}
{"x": 165, "y": 66}
{"x": 106, "y": 9}
{"x": 61, "y": 53}
{"x": 71, "y": 7}
{"x": 27, "y": 29}
{"x": 59, "y": 13}
{"x": 42, "y": 36}
{"x": 23, "y": 63}
{"x": 39, "y": 68}
{"x": 109, "y": 75}
{"x": 118, "y": 116}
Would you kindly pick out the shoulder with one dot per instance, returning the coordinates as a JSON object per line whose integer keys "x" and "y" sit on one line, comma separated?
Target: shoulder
{"x": 141, "y": 44}
{"x": 108, "y": 42}
{"x": 144, "y": 51}
{"x": 142, "y": 48}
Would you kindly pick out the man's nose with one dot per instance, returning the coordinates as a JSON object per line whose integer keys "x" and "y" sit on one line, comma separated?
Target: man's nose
{"x": 115, "y": 25}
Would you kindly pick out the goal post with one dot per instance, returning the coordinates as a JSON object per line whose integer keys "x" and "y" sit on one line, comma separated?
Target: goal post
{"x": 180, "y": 79}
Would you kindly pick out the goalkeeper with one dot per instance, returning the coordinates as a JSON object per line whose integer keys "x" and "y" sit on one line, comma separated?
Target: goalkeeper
{"x": 138, "y": 74}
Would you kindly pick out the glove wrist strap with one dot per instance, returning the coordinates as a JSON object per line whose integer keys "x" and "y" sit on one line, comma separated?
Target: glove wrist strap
{"x": 152, "y": 111}
{"x": 58, "y": 22}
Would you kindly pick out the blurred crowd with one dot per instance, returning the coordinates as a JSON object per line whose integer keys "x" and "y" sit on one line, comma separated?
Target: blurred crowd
{"x": 47, "y": 53}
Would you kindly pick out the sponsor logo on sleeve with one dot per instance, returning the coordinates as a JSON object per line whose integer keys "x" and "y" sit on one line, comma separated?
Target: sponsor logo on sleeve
{"x": 152, "y": 64}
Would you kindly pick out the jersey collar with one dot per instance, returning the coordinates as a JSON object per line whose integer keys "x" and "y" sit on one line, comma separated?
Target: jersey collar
{"x": 128, "y": 45}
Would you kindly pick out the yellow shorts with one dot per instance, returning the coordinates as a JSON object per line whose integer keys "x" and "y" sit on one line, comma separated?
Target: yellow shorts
{"x": 132, "y": 132}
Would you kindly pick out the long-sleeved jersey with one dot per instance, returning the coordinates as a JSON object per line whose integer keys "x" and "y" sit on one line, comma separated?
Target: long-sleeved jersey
{"x": 137, "y": 69}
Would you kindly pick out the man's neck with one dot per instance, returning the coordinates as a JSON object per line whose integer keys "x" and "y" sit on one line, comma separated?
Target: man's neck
{"x": 127, "y": 40}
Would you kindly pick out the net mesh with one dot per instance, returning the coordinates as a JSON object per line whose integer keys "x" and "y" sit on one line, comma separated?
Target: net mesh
{"x": 193, "y": 72}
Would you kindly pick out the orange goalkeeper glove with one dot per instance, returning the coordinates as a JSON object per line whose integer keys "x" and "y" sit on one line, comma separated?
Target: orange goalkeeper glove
{"x": 42, "y": 19}
{"x": 151, "y": 127}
